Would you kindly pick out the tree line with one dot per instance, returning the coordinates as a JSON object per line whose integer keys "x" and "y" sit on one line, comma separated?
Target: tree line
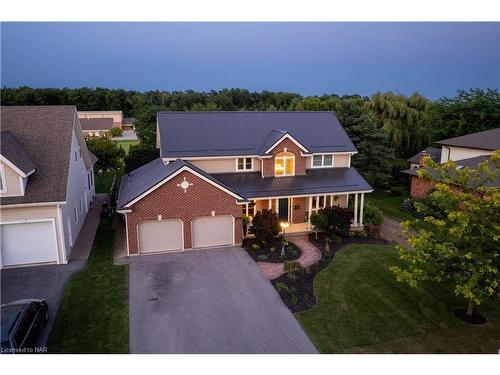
{"x": 386, "y": 128}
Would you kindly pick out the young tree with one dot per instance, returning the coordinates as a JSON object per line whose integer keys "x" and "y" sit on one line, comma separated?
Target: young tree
{"x": 463, "y": 247}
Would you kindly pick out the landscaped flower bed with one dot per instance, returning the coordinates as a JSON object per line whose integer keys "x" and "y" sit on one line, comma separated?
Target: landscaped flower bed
{"x": 296, "y": 289}
{"x": 271, "y": 252}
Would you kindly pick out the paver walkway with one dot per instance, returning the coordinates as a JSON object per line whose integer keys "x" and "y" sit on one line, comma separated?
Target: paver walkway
{"x": 83, "y": 244}
{"x": 392, "y": 231}
{"x": 310, "y": 255}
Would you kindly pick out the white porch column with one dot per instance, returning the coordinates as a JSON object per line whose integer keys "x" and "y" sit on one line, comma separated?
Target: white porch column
{"x": 361, "y": 209}
{"x": 355, "y": 209}
{"x": 310, "y": 208}
{"x": 270, "y": 205}
{"x": 277, "y": 205}
{"x": 246, "y": 209}
{"x": 331, "y": 200}
{"x": 347, "y": 201}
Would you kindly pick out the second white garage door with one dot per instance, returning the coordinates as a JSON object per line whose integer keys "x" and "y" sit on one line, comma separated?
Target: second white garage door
{"x": 161, "y": 235}
{"x": 28, "y": 243}
{"x": 213, "y": 231}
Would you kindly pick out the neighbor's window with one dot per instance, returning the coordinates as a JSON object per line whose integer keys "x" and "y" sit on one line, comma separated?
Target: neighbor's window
{"x": 322, "y": 161}
{"x": 245, "y": 164}
{"x": 1, "y": 179}
{"x": 284, "y": 164}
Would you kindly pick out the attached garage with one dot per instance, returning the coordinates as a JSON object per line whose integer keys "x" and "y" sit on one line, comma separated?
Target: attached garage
{"x": 28, "y": 243}
{"x": 213, "y": 231}
{"x": 160, "y": 236}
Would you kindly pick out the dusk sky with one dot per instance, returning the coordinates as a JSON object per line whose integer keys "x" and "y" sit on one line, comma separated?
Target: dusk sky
{"x": 434, "y": 59}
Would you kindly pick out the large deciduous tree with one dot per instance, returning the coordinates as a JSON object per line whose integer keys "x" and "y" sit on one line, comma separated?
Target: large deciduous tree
{"x": 402, "y": 118}
{"x": 463, "y": 245}
{"x": 109, "y": 155}
{"x": 468, "y": 112}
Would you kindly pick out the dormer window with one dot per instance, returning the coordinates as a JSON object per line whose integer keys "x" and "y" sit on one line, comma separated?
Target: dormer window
{"x": 284, "y": 164}
{"x": 244, "y": 164}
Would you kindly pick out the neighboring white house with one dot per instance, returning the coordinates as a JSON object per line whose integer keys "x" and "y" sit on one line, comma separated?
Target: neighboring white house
{"x": 47, "y": 184}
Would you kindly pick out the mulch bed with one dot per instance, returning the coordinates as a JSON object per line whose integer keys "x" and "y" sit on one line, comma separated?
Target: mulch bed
{"x": 271, "y": 252}
{"x": 476, "y": 318}
{"x": 296, "y": 290}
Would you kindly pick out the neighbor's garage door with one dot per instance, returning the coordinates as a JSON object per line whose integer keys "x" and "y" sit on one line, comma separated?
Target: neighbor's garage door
{"x": 162, "y": 235}
{"x": 28, "y": 243}
{"x": 213, "y": 231}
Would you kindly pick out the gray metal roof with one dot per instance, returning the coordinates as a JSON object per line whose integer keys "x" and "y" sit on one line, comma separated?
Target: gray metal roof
{"x": 192, "y": 134}
{"x": 316, "y": 181}
{"x": 45, "y": 133}
{"x": 142, "y": 179}
{"x": 485, "y": 140}
{"x": 14, "y": 152}
{"x": 433, "y": 152}
{"x": 470, "y": 163}
{"x": 96, "y": 123}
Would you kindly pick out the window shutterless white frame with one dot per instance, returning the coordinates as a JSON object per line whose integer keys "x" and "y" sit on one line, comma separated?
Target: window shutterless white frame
{"x": 322, "y": 158}
{"x": 244, "y": 164}
{"x": 2, "y": 180}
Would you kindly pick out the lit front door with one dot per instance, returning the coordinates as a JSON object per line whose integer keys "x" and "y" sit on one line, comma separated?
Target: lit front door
{"x": 283, "y": 209}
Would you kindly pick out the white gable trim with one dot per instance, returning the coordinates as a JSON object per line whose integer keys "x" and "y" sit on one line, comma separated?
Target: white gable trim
{"x": 180, "y": 170}
{"x": 16, "y": 169}
{"x": 287, "y": 136}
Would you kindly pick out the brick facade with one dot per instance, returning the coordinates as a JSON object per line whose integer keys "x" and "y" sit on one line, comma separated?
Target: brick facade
{"x": 300, "y": 161}
{"x": 420, "y": 188}
{"x": 299, "y": 213}
{"x": 170, "y": 201}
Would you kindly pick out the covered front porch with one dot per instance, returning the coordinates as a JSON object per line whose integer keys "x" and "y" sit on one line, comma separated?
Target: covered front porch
{"x": 296, "y": 210}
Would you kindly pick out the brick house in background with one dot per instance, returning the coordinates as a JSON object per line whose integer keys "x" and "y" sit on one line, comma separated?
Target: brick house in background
{"x": 216, "y": 167}
{"x": 467, "y": 151}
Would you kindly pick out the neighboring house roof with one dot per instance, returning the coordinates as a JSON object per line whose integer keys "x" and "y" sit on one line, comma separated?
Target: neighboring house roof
{"x": 45, "y": 133}
{"x": 140, "y": 180}
{"x": 96, "y": 123}
{"x": 485, "y": 140}
{"x": 15, "y": 153}
{"x": 193, "y": 134}
{"x": 128, "y": 120}
{"x": 470, "y": 162}
{"x": 316, "y": 181}
{"x": 433, "y": 152}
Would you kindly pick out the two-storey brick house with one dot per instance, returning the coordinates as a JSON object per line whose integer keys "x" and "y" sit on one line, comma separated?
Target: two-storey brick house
{"x": 216, "y": 167}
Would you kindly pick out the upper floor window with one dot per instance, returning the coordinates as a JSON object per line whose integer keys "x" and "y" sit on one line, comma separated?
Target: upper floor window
{"x": 244, "y": 164}
{"x": 322, "y": 161}
{"x": 284, "y": 164}
{"x": 2, "y": 180}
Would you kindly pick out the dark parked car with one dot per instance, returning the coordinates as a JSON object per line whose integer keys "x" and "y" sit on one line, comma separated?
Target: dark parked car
{"x": 22, "y": 322}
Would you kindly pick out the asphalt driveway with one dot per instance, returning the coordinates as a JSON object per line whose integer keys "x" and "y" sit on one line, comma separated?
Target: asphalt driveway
{"x": 43, "y": 282}
{"x": 208, "y": 301}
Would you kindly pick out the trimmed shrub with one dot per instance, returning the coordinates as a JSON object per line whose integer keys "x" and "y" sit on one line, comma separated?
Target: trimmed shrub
{"x": 338, "y": 220}
{"x": 265, "y": 225}
{"x": 292, "y": 266}
{"x": 372, "y": 214}
{"x": 320, "y": 222}
{"x": 256, "y": 247}
{"x": 262, "y": 257}
{"x": 115, "y": 132}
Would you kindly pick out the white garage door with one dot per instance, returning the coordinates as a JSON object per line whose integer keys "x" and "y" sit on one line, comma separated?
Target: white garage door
{"x": 162, "y": 235}
{"x": 213, "y": 231}
{"x": 28, "y": 243}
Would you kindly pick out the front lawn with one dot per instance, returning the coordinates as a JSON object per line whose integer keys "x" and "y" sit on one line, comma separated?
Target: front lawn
{"x": 389, "y": 203}
{"x": 93, "y": 314}
{"x": 361, "y": 308}
{"x": 126, "y": 144}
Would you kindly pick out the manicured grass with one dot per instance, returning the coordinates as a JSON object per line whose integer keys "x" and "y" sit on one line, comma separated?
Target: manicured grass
{"x": 389, "y": 204}
{"x": 103, "y": 184}
{"x": 363, "y": 309}
{"x": 93, "y": 314}
{"x": 126, "y": 144}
